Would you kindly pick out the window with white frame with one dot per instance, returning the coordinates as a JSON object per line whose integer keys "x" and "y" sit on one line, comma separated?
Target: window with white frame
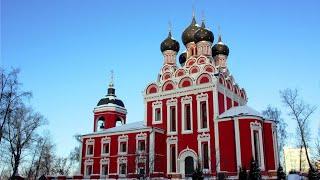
{"x": 186, "y": 103}
{"x": 88, "y": 167}
{"x": 141, "y": 145}
{"x": 157, "y": 112}
{"x": 104, "y": 169}
{"x": 172, "y": 154}
{"x": 89, "y": 147}
{"x": 257, "y": 144}
{"x": 105, "y": 147}
{"x": 172, "y": 116}
{"x": 204, "y": 150}
{"x": 205, "y": 155}
{"x": 123, "y": 144}
{"x": 203, "y": 113}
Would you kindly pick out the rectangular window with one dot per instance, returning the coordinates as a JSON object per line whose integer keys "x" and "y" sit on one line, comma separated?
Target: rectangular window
{"x": 257, "y": 147}
{"x": 173, "y": 158}
{"x": 104, "y": 169}
{"x": 187, "y": 115}
{"x": 173, "y": 119}
{"x": 88, "y": 170}
{"x": 141, "y": 171}
{"x": 123, "y": 147}
{"x": 157, "y": 114}
{"x": 205, "y": 154}
{"x": 90, "y": 149}
{"x": 105, "y": 148}
{"x": 122, "y": 169}
{"x": 141, "y": 146}
{"x": 203, "y": 115}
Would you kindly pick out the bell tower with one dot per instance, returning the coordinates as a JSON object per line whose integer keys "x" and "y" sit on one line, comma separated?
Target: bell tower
{"x": 110, "y": 110}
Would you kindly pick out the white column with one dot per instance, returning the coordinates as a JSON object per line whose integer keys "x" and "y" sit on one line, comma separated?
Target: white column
{"x": 215, "y": 120}
{"x": 237, "y": 140}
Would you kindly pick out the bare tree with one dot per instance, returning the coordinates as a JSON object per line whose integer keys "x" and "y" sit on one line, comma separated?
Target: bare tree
{"x": 300, "y": 112}
{"x": 10, "y": 95}
{"x": 21, "y": 132}
{"x": 274, "y": 113}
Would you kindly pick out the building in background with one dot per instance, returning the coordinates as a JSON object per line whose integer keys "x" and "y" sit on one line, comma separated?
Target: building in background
{"x": 292, "y": 160}
{"x": 195, "y": 116}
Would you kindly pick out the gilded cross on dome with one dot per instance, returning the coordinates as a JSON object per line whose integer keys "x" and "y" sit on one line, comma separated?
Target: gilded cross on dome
{"x": 111, "y": 84}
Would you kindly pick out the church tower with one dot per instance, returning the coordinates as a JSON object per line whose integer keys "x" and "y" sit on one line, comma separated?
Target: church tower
{"x": 110, "y": 111}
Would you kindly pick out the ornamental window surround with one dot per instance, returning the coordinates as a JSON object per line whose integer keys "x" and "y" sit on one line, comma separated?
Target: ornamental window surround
{"x": 257, "y": 144}
{"x": 88, "y": 167}
{"x": 89, "y": 147}
{"x": 172, "y": 116}
{"x": 122, "y": 166}
{"x": 157, "y": 112}
{"x": 141, "y": 140}
{"x": 204, "y": 151}
{"x": 105, "y": 146}
{"x": 187, "y": 125}
{"x": 104, "y": 167}
{"x": 123, "y": 145}
{"x": 203, "y": 112}
{"x": 172, "y": 152}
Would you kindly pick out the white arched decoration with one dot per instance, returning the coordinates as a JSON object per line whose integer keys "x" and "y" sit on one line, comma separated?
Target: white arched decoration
{"x": 182, "y": 156}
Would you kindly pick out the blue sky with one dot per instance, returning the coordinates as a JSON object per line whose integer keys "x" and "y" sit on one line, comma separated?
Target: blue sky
{"x": 66, "y": 49}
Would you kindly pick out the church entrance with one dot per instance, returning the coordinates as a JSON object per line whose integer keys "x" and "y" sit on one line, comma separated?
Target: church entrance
{"x": 188, "y": 166}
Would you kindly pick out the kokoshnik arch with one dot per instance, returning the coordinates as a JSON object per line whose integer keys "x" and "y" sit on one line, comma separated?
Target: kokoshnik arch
{"x": 195, "y": 116}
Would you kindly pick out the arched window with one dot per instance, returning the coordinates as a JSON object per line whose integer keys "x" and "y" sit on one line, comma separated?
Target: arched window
{"x": 100, "y": 124}
{"x": 119, "y": 122}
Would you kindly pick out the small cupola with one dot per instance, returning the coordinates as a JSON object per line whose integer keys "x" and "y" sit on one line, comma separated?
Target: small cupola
{"x": 220, "y": 53}
{"x": 169, "y": 48}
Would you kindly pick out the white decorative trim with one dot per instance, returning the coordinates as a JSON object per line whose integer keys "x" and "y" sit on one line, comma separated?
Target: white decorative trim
{"x": 204, "y": 138}
{"x": 156, "y": 105}
{"x": 186, "y": 100}
{"x": 114, "y": 108}
{"x": 90, "y": 142}
{"x": 202, "y": 98}
{"x": 151, "y": 150}
{"x": 172, "y": 103}
{"x": 256, "y": 126}
{"x": 237, "y": 142}
{"x": 121, "y": 139}
{"x": 215, "y": 124}
{"x": 105, "y": 140}
{"x": 182, "y": 156}
{"x": 122, "y": 160}
{"x": 104, "y": 161}
{"x": 172, "y": 141}
{"x": 88, "y": 162}
{"x": 275, "y": 145}
{"x": 141, "y": 137}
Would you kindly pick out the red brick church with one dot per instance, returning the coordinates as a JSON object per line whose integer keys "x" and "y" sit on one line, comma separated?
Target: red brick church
{"x": 195, "y": 117}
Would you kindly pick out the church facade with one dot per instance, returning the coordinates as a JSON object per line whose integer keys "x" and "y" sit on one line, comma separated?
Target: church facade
{"x": 195, "y": 117}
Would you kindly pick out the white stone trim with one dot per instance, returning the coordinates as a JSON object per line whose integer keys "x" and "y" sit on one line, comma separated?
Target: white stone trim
{"x": 156, "y": 105}
{"x": 141, "y": 137}
{"x": 172, "y": 141}
{"x": 182, "y": 156}
{"x": 105, "y": 140}
{"x": 151, "y": 150}
{"x": 204, "y": 138}
{"x": 215, "y": 123}
{"x": 104, "y": 161}
{"x": 122, "y": 160}
{"x": 114, "y": 108}
{"x": 237, "y": 142}
{"x": 123, "y": 138}
{"x": 202, "y": 98}
{"x": 172, "y": 103}
{"x": 90, "y": 142}
{"x": 275, "y": 146}
{"x": 186, "y": 100}
{"x": 88, "y": 162}
{"x": 256, "y": 126}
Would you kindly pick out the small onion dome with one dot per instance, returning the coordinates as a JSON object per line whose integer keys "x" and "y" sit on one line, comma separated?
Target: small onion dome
{"x": 188, "y": 33}
{"x": 182, "y": 58}
{"x": 110, "y": 98}
{"x": 220, "y": 48}
{"x": 203, "y": 34}
{"x": 169, "y": 44}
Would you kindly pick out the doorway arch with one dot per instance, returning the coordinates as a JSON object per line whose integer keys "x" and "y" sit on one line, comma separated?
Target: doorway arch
{"x": 187, "y": 161}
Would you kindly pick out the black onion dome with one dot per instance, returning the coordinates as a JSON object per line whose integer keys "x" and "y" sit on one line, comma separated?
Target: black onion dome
{"x": 106, "y": 100}
{"x": 188, "y": 33}
{"x": 182, "y": 58}
{"x": 110, "y": 98}
{"x": 169, "y": 44}
{"x": 220, "y": 48}
{"x": 203, "y": 34}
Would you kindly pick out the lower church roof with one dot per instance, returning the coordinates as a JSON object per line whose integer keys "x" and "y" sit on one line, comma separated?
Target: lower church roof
{"x": 240, "y": 111}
